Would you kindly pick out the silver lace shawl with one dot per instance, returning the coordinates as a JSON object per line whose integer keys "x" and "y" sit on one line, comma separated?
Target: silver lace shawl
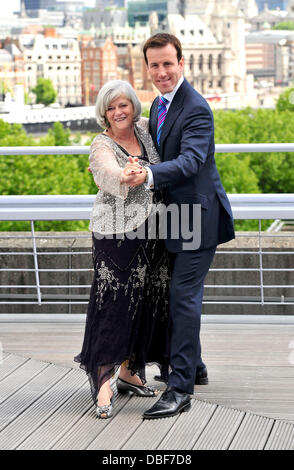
{"x": 119, "y": 208}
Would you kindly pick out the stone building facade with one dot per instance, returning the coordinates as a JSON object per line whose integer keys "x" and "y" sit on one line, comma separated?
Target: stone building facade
{"x": 12, "y": 68}
{"x": 212, "y": 34}
{"x": 99, "y": 65}
{"x": 57, "y": 59}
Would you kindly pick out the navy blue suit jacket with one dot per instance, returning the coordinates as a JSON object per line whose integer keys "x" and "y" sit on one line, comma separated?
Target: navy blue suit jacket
{"x": 187, "y": 173}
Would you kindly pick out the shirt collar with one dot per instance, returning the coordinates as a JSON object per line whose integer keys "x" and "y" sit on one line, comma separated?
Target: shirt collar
{"x": 170, "y": 96}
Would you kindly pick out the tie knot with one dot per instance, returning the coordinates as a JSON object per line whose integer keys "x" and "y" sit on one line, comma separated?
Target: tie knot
{"x": 163, "y": 100}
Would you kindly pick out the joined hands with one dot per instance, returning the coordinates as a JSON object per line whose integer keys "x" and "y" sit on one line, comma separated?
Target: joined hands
{"x": 133, "y": 173}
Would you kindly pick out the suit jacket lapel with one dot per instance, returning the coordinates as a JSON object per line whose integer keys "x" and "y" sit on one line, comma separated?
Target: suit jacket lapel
{"x": 153, "y": 122}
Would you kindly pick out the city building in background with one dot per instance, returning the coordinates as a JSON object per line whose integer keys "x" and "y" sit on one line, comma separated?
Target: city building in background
{"x": 249, "y": 8}
{"x": 229, "y": 46}
{"x": 55, "y": 58}
{"x": 270, "y": 56}
{"x": 105, "y": 13}
{"x": 111, "y": 3}
{"x": 272, "y": 4}
{"x": 268, "y": 19}
{"x": 12, "y": 69}
{"x": 213, "y": 39}
{"x": 99, "y": 65}
{"x": 38, "y": 4}
{"x": 139, "y": 11}
{"x": 32, "y": 6}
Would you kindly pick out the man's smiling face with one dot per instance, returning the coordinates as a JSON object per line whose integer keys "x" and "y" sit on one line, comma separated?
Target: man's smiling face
{"x": 164, "y": 68}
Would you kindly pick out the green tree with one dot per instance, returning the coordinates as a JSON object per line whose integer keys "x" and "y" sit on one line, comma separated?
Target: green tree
{"x": 240, "y": 172}
{"x": 61, "y": 136}
{"x": 287, "y": 25}
{"x": 286, "y": 100}
{"x": 43, "y": 174}
{"x": 274, "y": 171}
{"x": 44, "y": 91}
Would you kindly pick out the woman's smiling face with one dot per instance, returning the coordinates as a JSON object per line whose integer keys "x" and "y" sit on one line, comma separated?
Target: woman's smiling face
{"x": 120, "y": 113}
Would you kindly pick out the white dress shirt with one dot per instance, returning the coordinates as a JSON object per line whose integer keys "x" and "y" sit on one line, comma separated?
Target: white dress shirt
{"x": 169, "y": 96}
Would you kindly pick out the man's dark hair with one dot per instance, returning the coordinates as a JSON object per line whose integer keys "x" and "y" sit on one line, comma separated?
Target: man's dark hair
{"x": 161, "y": 40}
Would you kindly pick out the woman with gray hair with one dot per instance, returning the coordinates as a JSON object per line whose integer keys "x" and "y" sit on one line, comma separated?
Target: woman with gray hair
{"x": 127, "y": 318}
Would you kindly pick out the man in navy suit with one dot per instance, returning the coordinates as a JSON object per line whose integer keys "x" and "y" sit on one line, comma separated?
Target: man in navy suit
{"x": 181, "y": 125}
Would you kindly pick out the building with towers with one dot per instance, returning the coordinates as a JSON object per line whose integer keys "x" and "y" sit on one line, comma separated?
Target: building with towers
{"x": 212, "y": 34}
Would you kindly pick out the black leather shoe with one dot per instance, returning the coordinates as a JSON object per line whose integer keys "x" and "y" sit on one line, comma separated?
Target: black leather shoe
{"x": 170, "y": 404}
{"x": 140, "y": 390}
{"x": 200, "y": 379}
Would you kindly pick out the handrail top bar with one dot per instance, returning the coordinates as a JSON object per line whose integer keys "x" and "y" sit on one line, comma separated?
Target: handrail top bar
{"x": 37, "y": 199}
{"x": 79, "y": 206}
{"x": 61, "y": 199}
{"x": 46, "y": 150}
{"x": 252, "y": 148}
{"x": 84, "y": 149}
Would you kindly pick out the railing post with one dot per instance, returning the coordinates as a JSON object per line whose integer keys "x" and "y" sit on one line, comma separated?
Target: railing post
{"x": 260, "y": 262}
{"x": 36, "y": 263}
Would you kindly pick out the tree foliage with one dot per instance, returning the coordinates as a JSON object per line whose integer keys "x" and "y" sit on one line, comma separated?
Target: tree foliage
{"x": 274, "y": 171}
{"x": 68, "y": 174}
{"x": 286, "y": 100}
{"x": 43, "y": 174}
{"x": 45, "y": 91}
{"x": 286, "y": 25}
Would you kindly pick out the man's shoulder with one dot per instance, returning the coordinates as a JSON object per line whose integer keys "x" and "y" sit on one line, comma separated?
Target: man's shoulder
{"x": 193, "y": 98}
{"x": 191, "y": 92}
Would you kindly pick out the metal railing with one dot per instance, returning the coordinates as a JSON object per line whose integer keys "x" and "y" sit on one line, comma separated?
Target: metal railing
{"x": 78, "y": 207}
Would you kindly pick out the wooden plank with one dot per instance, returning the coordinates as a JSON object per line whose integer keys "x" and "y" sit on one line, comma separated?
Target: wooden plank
{"x": 189, "y": 427}
{"x": 149, "y": 433}
{"x": 29, "y": 393}
{"x": 9, "y": 364}
{"x": 248, "y": 365}
{"x": 275, "y": 409}
{"x": 42, "y": 408}
{"x": 87, "y": 428}
{"x": 60, "y": 422}
{"x": 220, "y": 430}
{"x": 3, "y": 354}
{"x": 54, "y": 410}
{"x": 20, "y": 377}
{"x": 51, "y": 342}
{"x": 281, "y": 437}
{"x": 253, "y": 433}
{"x": 117, "y": 433}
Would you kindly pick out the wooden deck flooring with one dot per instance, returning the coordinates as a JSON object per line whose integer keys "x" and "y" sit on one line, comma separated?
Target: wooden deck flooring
{"x": 248, "y": 404}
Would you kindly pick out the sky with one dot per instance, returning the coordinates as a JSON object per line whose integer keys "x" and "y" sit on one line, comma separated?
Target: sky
{"x": 8, "y": 7}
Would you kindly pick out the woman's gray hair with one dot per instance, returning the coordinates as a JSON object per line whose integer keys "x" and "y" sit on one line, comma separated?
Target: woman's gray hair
{"x": 109, "y": 92}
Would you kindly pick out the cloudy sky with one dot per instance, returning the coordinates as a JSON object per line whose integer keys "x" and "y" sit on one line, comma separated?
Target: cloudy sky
{"x": 8, "y": 7}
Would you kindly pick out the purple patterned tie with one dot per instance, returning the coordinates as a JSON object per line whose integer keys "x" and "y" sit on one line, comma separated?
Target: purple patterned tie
{"x": 162, "y": 102}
